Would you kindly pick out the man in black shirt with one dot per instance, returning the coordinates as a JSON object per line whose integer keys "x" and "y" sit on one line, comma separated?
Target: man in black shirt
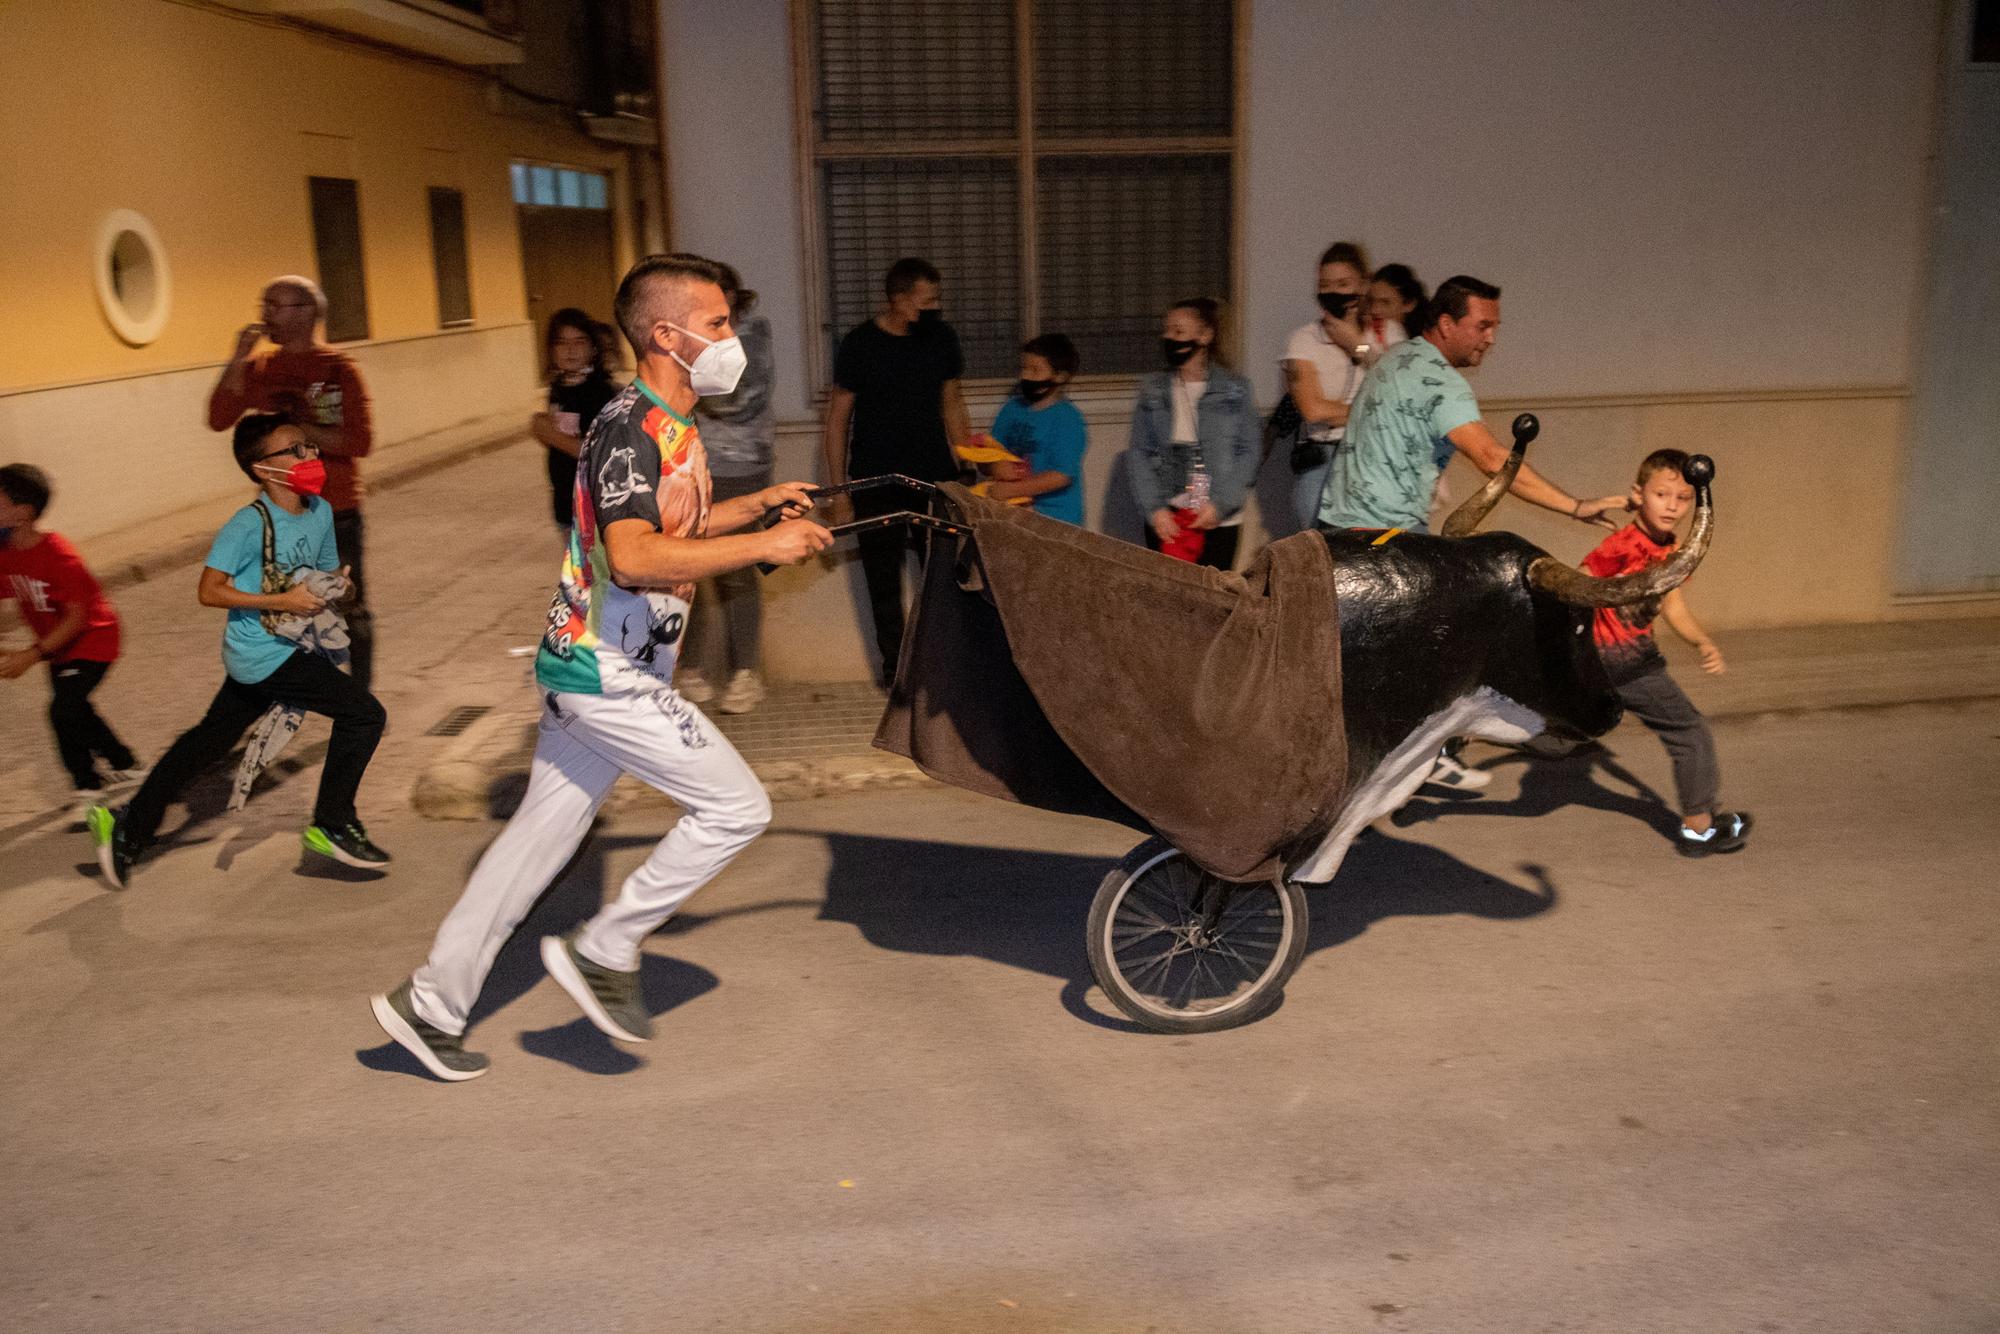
{"x": 896, "y": 384}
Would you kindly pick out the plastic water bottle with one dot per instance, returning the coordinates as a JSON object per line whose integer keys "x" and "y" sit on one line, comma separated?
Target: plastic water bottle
{"x": 1197, "y": 489}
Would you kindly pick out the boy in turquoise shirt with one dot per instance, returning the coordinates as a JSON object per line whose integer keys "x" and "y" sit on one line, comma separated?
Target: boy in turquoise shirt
{"x": 248, "y": 573}
{"x": 1039, "y": 423}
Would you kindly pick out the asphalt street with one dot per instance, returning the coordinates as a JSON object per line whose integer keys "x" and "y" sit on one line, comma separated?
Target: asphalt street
{"x": 1536, "y": 1074}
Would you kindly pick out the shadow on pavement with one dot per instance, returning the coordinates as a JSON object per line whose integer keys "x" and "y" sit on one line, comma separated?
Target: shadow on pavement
{"x": 1551, "y": 782}
{"x": 1028, "y": 909}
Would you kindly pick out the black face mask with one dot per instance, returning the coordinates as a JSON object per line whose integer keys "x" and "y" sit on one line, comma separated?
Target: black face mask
{"x": 930, "y": 317}
{"x": 1034, "y": 391}
{"x": 1336, "y": 304}
{"x": 1177, "y": 350}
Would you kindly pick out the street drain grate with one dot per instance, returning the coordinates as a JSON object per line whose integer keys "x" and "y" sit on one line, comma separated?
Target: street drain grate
{"x": 460, "y": 718}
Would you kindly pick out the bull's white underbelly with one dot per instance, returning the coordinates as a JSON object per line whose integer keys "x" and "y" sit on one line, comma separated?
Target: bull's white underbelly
{"x": 1485, "y": 713}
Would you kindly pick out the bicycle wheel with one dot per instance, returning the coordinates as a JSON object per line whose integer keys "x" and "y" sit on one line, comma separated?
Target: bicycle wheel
{"x": 1183, "y": 951}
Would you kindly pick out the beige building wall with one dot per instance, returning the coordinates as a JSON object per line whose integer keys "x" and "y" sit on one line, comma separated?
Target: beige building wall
{"x": 207, "y": 123}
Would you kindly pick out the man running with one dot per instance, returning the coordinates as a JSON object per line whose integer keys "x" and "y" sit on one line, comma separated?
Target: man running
{"x": 644, "y": 535}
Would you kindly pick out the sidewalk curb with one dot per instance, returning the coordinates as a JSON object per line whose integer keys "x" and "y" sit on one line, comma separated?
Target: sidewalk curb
{"x": 387, "y": 475}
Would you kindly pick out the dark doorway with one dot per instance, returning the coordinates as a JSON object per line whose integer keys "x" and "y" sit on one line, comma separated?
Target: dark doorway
{"x": 567, "y": 257}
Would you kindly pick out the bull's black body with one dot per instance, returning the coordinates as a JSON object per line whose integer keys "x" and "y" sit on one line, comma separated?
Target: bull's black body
{"x": 1426, "y": 621}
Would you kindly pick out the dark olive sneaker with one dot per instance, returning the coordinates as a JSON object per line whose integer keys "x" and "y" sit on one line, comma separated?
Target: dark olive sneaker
{"x": 442, "y": 1053}
{"x": 346, "y": 843}
{"x": 609, "y": 999}
{"x": 115, "y": 852}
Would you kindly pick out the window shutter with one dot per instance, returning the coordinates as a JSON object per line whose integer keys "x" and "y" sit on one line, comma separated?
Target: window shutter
{"x": 915, "y": 70}
{"x": 958, "y": 213}
{"x": 1137, "y": 68}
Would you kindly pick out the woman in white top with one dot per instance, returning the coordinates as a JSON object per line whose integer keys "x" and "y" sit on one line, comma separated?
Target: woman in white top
{"x": 1324, "y": 362}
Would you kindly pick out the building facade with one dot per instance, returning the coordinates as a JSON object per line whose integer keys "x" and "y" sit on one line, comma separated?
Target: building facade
{"x": 162, "y": 160}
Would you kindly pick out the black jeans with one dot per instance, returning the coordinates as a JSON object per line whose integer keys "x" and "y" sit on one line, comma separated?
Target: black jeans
{"x": 884, "y": 552}
{"x": 1218, "y": 549}
{"x": 360, "y": 621}
{"x": 83, "y": 738}
{"x": 304, "y": 680}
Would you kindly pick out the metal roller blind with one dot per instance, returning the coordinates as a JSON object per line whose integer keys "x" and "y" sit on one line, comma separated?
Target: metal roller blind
{"x": 1144, "y": 68}
{"x": 1122, "y": 238}
{"x": 915, "y": 70}
{"x": 960, "y": 214}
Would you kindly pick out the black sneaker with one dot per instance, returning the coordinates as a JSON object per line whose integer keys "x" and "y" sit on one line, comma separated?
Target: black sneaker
{"x": 346, "y": 843}
{"x": 1710, "y": 842}
{"x": 1736, "y": 824}
{"x": 609, "y": 998}
{"x": 442, "y": 1053}
{"x": 115, "y": 852}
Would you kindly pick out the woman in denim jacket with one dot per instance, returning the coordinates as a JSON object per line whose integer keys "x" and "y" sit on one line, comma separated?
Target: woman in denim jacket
{"x": 1194, "y": 442}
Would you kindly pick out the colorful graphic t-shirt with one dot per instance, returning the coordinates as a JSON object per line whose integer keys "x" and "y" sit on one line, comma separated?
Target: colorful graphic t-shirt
{"x": 1385, "y": 474}
{"x": 49, "y": 578}
{"x": 1624, "y": 635}
{"x": 641, "y": 460}
{"x": 249, "y": 651}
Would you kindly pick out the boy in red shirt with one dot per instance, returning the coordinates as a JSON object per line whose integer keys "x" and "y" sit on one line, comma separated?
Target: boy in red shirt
{"x": 1624, "y": 638}
{"x": 76, "y": 631}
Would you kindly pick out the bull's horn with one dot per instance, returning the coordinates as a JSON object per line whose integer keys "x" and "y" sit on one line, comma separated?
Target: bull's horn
{"x": 1588, "y": 590}
{"x": 1480, "y": 504}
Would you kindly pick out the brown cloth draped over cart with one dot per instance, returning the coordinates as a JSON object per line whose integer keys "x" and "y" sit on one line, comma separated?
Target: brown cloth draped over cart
{"x": 1069, "y": 671}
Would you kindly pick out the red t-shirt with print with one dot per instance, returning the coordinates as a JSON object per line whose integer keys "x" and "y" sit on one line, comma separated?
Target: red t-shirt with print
{"x": 49, "y": 578}
{"x": 1623, "y": 631}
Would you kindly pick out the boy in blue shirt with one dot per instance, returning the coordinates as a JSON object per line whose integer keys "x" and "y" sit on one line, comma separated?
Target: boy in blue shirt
{"x": 1039, "y": 423}
{"x": 287, "y": 528}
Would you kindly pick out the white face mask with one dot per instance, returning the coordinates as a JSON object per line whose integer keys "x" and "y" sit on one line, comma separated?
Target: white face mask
{"x": 718, "y": 368}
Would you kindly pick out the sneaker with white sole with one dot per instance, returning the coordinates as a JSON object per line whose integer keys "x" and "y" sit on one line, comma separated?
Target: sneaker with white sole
{"x": 744, "y": 692}
{"x": 442, "y": 1053}
{"x": 346, "y": 843}
{"x": 694, "y": 687}
{"x": 1448, "y": 772}
{"x": 116, "y": 853}
{"x": 608, "y": 998}
{"x": 1727, "y": 831}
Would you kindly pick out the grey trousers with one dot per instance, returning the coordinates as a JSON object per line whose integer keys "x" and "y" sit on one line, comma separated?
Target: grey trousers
{"x": 1654, "y": 699}
{"x": 738, "y": 600}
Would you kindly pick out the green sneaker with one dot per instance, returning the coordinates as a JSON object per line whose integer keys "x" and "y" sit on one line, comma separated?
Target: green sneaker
{"x": 609, "y": 999}
{"x": 115, "y": 853}
{"x": 442, "y": 1053}
{"x": 346, "y": 843}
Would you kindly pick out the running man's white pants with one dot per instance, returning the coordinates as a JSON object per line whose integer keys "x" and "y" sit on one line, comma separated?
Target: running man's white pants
{"x": 585, "y": 742}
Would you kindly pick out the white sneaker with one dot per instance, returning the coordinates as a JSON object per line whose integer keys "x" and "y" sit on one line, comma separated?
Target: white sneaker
{"x": 744, "y": 692}
{"x": 125, "y": 777}
{"x": 1448, "y": 772}
{"x": 694, "y": 687}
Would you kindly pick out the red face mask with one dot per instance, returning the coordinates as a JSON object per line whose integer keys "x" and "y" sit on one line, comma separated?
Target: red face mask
{"x": 307, "y": 477}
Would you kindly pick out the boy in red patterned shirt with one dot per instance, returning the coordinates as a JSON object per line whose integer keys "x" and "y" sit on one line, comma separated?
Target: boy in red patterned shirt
{"x": 75, "y": 629}
{"x": 1624, "y": 638}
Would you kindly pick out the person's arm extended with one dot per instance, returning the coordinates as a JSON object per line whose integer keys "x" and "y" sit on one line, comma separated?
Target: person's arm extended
{"x": 741, "y": 511}
{"x": 1675, "y": 611}
{"x": 1035, "y": 484}
{"x": 957, "y": 421}
{"x": 642, "y": 556}
{"x": 1302, "y": 381}
{"x": 216, "y": 591}
{"x": 59, "y": 637}
{"x": 1487, "y": 454}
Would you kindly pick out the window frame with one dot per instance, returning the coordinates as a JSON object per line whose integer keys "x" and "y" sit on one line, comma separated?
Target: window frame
{"x": 1025, "y": 148}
